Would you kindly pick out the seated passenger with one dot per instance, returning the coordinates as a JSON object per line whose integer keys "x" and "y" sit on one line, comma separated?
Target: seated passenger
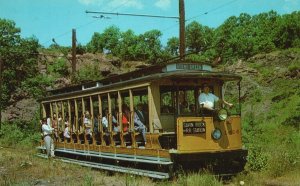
{"x": 67, "y": 130}
{"x": 115, "y": 122}
{"x": 184, "y": 107}
{"x": 165, "y": 109}
{"x": 60, "y": 122}
{"x": 87, "y": 123}
{"x": 192, "y": 108}
{"x": 125, "y": 117}
{"x": 55, "y": 126}
{"x": 105, "y": 120}
{"x": 207, "y": 100}
{"x": 96, "y": 124}
{"x": 139, "y": 121}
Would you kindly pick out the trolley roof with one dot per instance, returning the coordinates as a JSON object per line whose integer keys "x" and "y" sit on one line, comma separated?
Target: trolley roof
{"x": 148, "y": 74}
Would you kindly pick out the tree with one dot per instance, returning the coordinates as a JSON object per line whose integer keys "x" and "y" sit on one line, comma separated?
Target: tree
{"x": 19, "y": 58}
{"x": 198, "y": 37}
{"x": 149, "y": 46}
{"x": 110, "y": 38}
{"x": 127, "y": 45}
{"x": 288, "y": 33}
{"x": 96, "y": 44}
{"x": 173, "y": 46}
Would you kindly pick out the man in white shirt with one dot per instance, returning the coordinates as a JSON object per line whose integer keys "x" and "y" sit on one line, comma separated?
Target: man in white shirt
{"x": 207, "y": 100}
{"x": 47, "y": 132}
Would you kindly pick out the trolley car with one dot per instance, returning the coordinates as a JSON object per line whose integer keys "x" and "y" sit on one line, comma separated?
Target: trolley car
{"x": 180, "y": 133}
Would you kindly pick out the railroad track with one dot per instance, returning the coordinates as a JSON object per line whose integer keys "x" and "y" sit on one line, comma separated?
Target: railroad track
{"x": 115, "y": 168}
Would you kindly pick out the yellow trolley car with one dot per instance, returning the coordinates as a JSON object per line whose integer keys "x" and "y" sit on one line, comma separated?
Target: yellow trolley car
{"x": 180, "y": 133}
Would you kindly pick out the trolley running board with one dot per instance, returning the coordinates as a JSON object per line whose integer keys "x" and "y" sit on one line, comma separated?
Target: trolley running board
{"x": 119, "y": 157}
{"x": 140, "y": 172}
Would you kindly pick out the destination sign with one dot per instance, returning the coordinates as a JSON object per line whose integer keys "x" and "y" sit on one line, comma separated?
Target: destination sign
{"x": 188, "y": 66}
{"x": 193, "y": 127}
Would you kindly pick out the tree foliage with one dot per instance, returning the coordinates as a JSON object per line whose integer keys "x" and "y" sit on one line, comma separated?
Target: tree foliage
{"x": 173, "y": 46}
{"x": 127, "y": 45}
{"x": 19, "y": 58}
{"x": 238, "y": 37}
{"x": 198, "y": 37}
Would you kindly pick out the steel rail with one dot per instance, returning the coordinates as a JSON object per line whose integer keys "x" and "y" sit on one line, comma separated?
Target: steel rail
{"x": 140, "y": 172}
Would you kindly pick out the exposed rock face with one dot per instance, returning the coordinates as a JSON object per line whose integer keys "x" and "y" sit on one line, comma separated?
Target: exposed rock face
{"x": 24, "y": 110}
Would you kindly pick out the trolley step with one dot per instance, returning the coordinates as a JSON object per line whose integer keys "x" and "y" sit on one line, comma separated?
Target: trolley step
{"x": 120, "y": 157}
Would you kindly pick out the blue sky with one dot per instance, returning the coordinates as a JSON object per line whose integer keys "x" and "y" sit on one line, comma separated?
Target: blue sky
{"x": 47, "y": 19}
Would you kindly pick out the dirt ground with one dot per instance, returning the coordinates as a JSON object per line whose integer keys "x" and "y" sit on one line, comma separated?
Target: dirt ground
{"x": 23, "y": 167}
{"x": 19, "y": 167}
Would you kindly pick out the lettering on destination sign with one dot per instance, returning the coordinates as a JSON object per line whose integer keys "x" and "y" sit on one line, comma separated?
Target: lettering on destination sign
{"x": 189, "y": 66}
{"x": 193, "y": 127}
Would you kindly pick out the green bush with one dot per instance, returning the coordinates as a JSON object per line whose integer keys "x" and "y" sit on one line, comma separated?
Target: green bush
{"x": 198, "y": 179}
{"x": 88, "y": 73}
{"x": 36, "y": 86}
{"x": 11, "y": 135}
{"x": 256, "y": 159}
{"x": 15, "y": 135}
{"x": 59, "y": 68}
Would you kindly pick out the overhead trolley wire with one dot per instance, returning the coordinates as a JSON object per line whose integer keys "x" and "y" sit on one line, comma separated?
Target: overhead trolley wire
{"x": 212, "y": 10}
{"x": 205, "y": 13}
{"x": 81, "y": 26}
{"x": 128, "y": 14}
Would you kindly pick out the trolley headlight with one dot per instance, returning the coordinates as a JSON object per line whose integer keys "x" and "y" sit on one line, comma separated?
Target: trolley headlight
{"x": 216, "y": 134}
{"x": 222, "y": 114}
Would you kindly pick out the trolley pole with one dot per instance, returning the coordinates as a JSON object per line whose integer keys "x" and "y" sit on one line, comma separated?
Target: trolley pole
{"x": 73, "y": 53}
{"x": 181, "y": 30}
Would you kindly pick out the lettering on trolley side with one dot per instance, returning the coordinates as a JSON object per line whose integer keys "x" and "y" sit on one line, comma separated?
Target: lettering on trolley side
{"x": 194, "y": 127}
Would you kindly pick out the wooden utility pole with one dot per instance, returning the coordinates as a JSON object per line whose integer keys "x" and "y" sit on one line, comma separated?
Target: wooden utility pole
{"x": 181, "y": 30}
{"x": 73, "y": 53}
{"x": 0, "y": 91}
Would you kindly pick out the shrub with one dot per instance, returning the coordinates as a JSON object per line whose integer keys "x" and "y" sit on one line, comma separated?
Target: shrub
{"x": 199, "y": 179}
{"x": 11, "y": 135}
{"x": 257, "y": 159}
{"x": 14, "y": 134}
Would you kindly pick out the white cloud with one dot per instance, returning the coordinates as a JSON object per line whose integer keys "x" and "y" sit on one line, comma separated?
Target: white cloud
{"x": 114, "y": 3}
{"x": 163, "y": 4}
{"x": 126, "y": 3}
{"x": 90, "y": 2}
{"x": 290, "y": 4}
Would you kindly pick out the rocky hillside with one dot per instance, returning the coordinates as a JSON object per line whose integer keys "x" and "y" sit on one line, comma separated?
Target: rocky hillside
{"x": 23, "y": 107}
{"x": 262, "y": 75}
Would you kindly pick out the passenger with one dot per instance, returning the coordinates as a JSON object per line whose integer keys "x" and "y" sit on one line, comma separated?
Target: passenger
{"x": 207, "y": 100}
{"x": 125, "y": 117}
{"x": 55, "y": 126}
{"x": 140, "y": 120}
{"x": 87, "y": 123}
{"x": 60, "y": 122}
{"x": 67, "y": 130}
{"x": 47, "y": 136}
{"x": 105, "y": 120}
{"x": 96, "y": 124}
{"x": 165, "y": 109}
{"x": 192, "y": 108}
{"x": 49, "y": 123}
{"x": 115, "y": 120}
{"x": 184, "y": 107}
